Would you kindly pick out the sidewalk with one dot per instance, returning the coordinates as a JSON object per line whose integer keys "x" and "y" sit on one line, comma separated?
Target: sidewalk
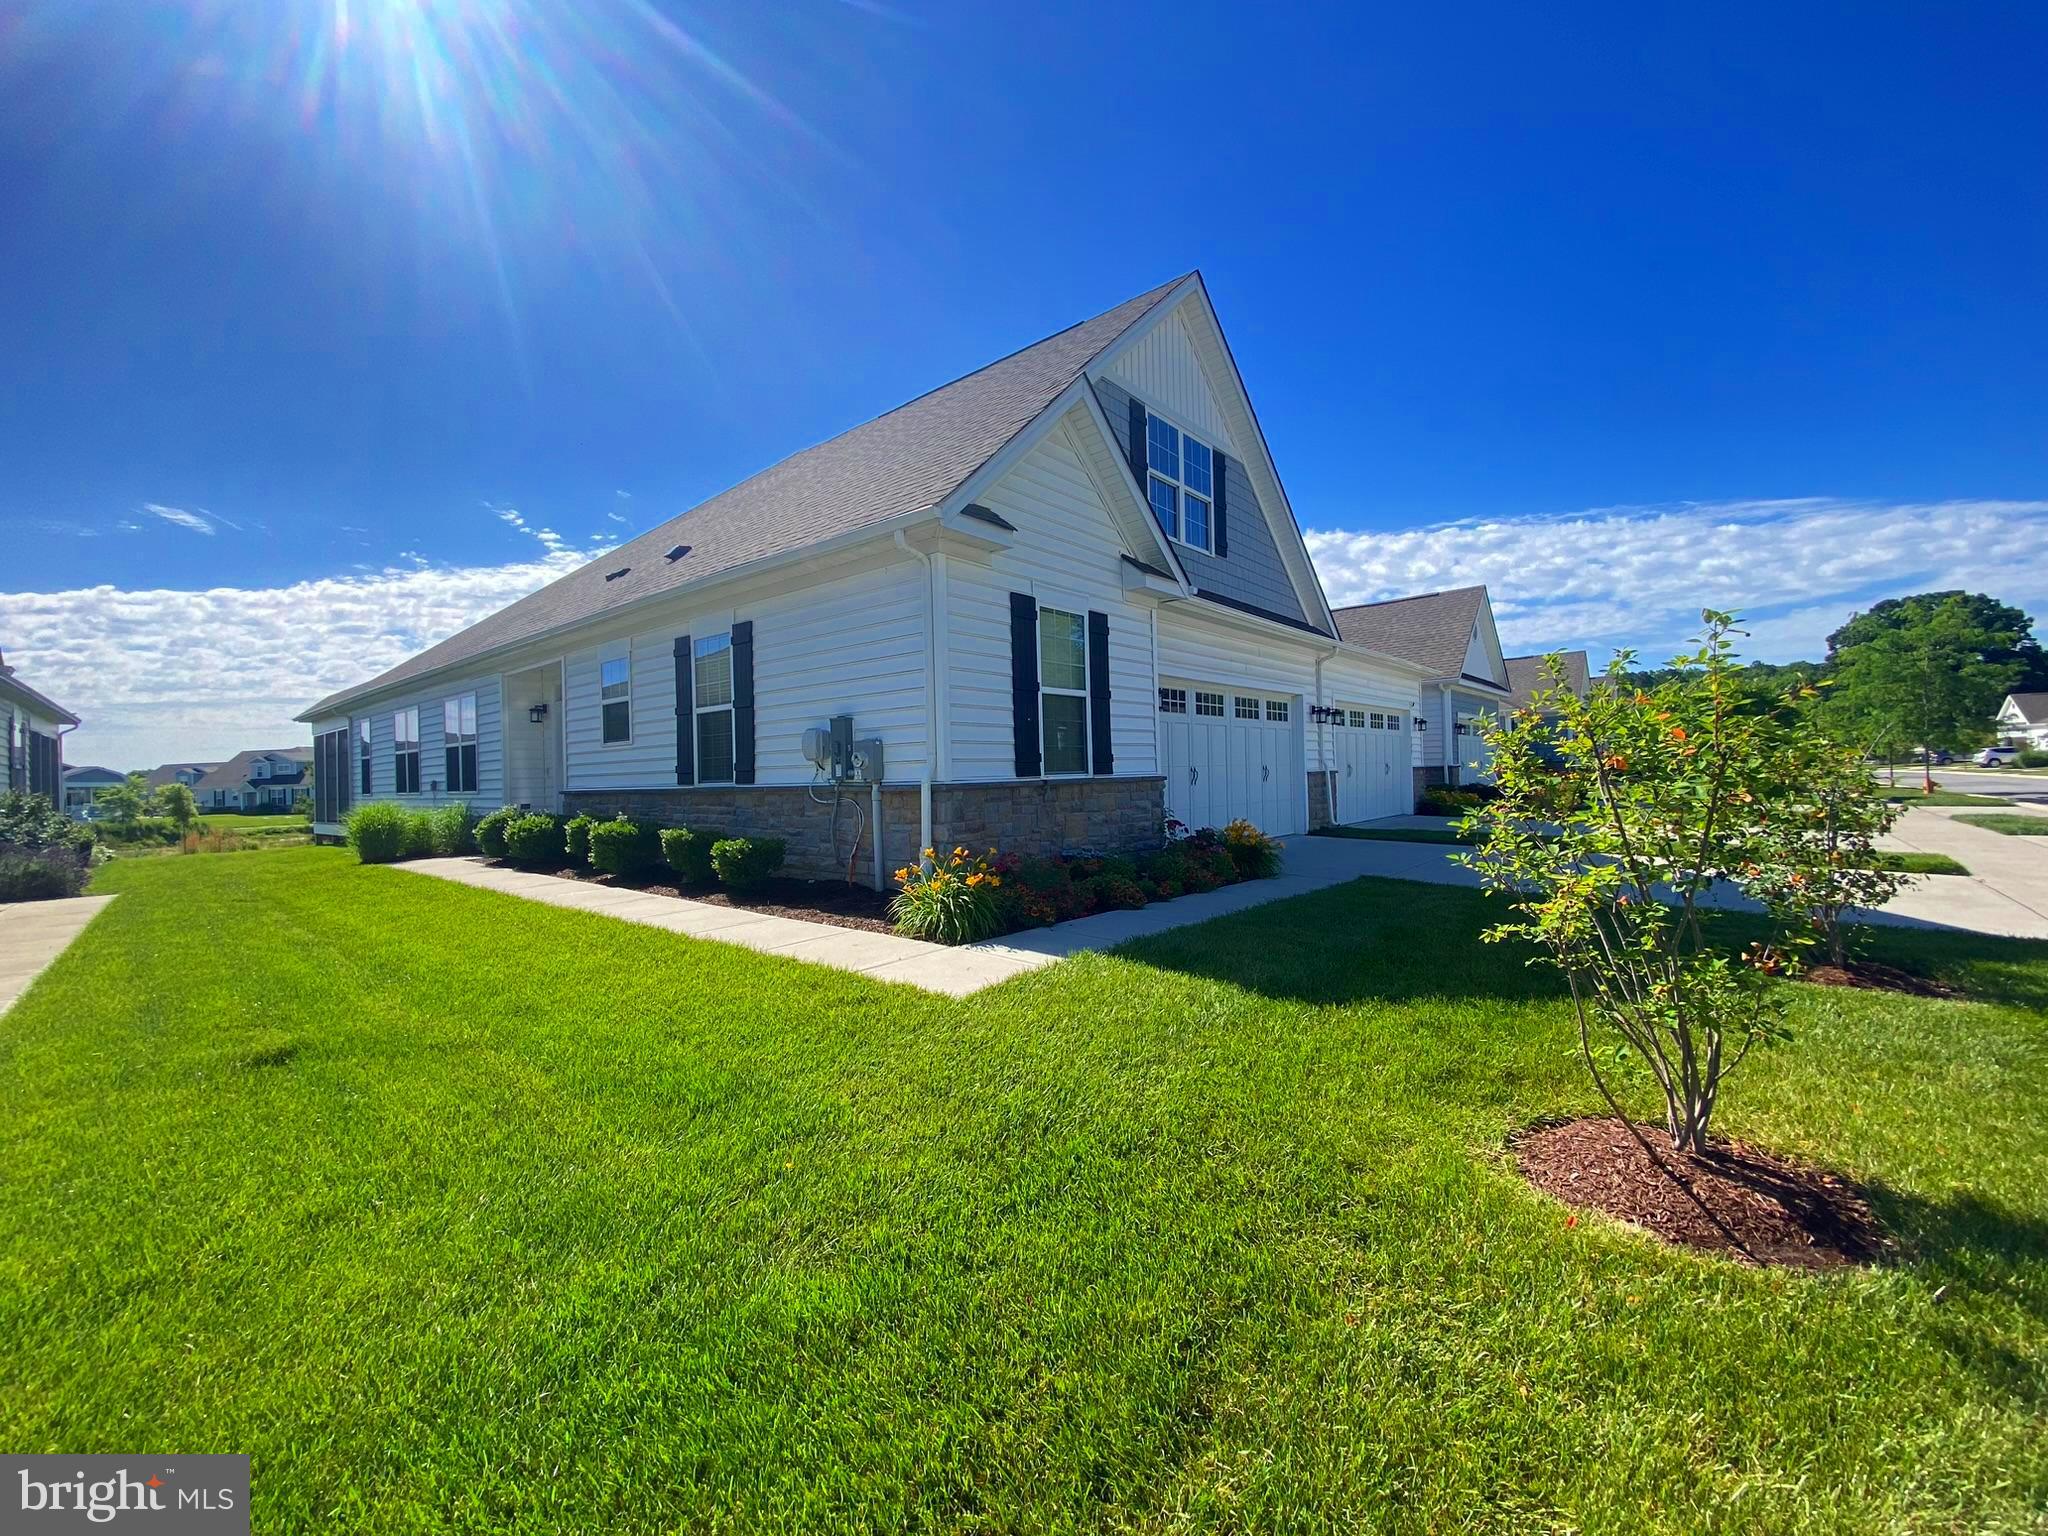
{"x": 2006, "y": 891}
{"x": 33, "y": 933}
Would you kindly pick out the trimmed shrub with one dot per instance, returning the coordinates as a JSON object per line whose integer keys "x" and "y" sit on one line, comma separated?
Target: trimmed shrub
{"x": 490, "y": 831}
{"x": 746, "y": 862}
{"x": 2034, "y": 757}
{"x": 1255, "y": 854}
{"x": 419, "y": 834}
{"x": 535, "y": 839}
{"x": 576, "y": 838}
{"x": 449, "y": 830}
{"x": 688, "y": 852}
{"x": 377, "y": 832}
{"x": 623, "y": 848}
{"x": 42, "y": 874}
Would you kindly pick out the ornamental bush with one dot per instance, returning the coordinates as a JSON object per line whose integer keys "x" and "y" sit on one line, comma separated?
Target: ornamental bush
{"x": 419, "y": 834}
{"x": 490, "y": 831}
{"x": 535, "y": 839}
{"x": 449, "y": 830}
{"x": 623, "y": 848}
{"x": 1256, "y": 855}
{"x": 744, "y": 863}
{"x": 2034, "y": 757}
{"x": 949, "y": 900}
{"x": 688, "y": 852}
{"x": 377, "y": 831}
{"x": 576, "y": 838}
{"x": 44, "y": 854}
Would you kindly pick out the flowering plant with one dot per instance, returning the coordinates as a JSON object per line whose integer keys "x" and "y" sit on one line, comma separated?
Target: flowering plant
{"x": 949, "y": 899}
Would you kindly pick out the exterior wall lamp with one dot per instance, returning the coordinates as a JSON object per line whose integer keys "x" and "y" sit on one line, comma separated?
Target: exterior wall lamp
{"x": 537, "y": 713}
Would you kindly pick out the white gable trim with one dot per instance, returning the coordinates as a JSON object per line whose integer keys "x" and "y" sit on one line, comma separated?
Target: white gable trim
{"x": 1160, "y": 366}
{"x": 1188, "y": 302}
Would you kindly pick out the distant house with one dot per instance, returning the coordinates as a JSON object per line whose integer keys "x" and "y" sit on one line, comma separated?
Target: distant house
{"x": 32, "y": 728}
{"x": 1451, "y": 635}
{"x": 1527, "y": 676}
{"x": 82, "y": 785}
{"x": 2023, "y": 720}
{"x": 187, "y": 774}
{"x": 264, "y": 779}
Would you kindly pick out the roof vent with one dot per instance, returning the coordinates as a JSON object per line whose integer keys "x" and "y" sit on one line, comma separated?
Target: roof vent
{"x": 615, "y": 575}
{"x": 677, "y": 553}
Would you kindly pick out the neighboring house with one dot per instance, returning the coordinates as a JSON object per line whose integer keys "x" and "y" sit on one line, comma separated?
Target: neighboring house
{"x": 2023, "y": 720}
{"x": 81, "y": 785}
{"x": 1450, "y": 635}
{"x": 1064, "y": 595}
{"x": 1528, "y": 677}
{"x": 187, "y": 774}
{"x": 32, "y": 728}
{"x": 275, "y": 777}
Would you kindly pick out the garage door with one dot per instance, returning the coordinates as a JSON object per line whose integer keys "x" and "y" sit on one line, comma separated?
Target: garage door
{"x": 1372, "y": 762}
{"x": 1231, "y": 755}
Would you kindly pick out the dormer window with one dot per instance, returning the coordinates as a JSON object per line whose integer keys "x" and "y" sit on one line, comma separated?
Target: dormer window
{"x": 1180, "y": 483}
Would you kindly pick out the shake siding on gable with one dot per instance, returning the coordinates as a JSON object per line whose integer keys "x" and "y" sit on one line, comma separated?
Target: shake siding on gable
{"x": 852, "y": 646}
{"x": 490, "y": 756}
{"x": 1066, "y": 555}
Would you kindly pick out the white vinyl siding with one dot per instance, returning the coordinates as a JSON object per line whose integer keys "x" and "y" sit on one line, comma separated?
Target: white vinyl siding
{"x": 1161, "y": 369}
{"x": 490, "y": 746}
{"x": 1067, "y": 555}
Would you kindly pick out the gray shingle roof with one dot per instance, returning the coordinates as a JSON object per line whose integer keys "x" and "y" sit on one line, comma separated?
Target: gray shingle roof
{"x": 11, "y": 685}
{"x": 234, "y": 773}
{"x": 1433, "y": 629}
{"x": 1526, "y": 675}
{"x": 166, "y": 773}
{"x": 2033, "y": 707}
{"x": 905, "y": 462}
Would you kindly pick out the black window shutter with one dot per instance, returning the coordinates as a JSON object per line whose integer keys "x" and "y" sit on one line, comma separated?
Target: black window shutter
{"x": 1217, "y": 513}
{"x": 743, "y": 702}
{"x": 1024, "y": 681}
{"x": 686, "y": 714}
{"x": 1138, "y": 459}
{"x": 1098, "y": 693}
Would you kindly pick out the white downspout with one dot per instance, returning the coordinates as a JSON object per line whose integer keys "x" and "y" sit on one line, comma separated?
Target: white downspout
{"x": 931, "y": 693}
{"x": 1323, "y": 741}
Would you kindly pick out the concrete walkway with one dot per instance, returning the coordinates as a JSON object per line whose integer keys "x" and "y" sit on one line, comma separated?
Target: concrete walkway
{"x": 1311, "y": 864}
{"x": 33, "y": 933}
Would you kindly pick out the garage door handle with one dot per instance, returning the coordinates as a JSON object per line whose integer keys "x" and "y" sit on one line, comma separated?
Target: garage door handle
{"x": 1265, "y": 773}
{"x": 1194, "y": 775}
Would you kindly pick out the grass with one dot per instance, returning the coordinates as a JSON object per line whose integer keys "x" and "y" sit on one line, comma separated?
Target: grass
{"x": 1393, "y": 834}
{"x": 1941, "y": 797}
{"x": 2015, "y": 824}
{"x": 463, "y": 1213}
{"x": 1920, "y": 863}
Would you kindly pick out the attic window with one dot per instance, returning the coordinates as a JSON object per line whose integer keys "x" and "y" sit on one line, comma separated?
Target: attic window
{"x": 615, "y": 575}
{"x": 677, "y": 553}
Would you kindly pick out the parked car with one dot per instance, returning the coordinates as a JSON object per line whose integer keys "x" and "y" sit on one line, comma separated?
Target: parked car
{"x": 1997, "y": 757}
{"x": 1938, "y": 756}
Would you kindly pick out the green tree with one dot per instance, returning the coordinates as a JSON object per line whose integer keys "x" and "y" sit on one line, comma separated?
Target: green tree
{"x": 1923, "y": 676}
{"x": 125, "y": 803}
{"x": 2021, "y": 650}
{"x": 175, "y": 802}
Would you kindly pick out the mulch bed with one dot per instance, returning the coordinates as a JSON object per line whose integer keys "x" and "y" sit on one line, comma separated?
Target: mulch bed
{"x": 1874, "y": 976}
{"x": 811, "y": 901}
{"x": 1737, "y": 1201}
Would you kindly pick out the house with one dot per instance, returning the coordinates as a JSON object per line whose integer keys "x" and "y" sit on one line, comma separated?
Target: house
{"x": 1527, "y": 676}
{"x": 82, "y": 786}
{"x": 2023, "y": 720}
{"x": 33, "y": 729}
{"x": 1054, "y": 600}
{"x": 1451, "y": 636}
{"x": 272, "y": 778}
{"x": 187, "y": 774}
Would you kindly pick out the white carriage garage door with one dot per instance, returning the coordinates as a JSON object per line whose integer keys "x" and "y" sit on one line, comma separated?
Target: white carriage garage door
{"x": 1372, "y": 758}
{"x": 1231, "y": 754}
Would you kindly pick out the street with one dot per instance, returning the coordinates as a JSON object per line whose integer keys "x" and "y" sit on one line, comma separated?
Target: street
{"x": 2004, "y": 783}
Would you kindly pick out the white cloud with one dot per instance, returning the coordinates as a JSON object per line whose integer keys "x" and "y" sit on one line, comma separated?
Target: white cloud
{"x": 196, "y": 521}
{"x": 1638, "y": 576}
{"x": 160, "y": 675}
{"x": 615, "y": 516}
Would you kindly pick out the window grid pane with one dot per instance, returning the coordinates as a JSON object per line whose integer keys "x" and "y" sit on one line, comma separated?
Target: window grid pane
{"x": 1062, "y": 650}
{"x": 1065, "y": 719}
{"x": 1245, "y": 708}
{"x": 714, "y": 747}
{"x": 618, "y": 721}
{"x": 1162, "y": 447}
{"x": 1209, "y": 704}
{"x": 1358, "y": 719}
{"x": 714, "y": 674}
{"x": 1173, "y": 701}
{"x": 1195, "y": 464}
{"x": 1195, "y": 517}
{"x": 1276, "y": 709}
{"x": 1166, "y": 506}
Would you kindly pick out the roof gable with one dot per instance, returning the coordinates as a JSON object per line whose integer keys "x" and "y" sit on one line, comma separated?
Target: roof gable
{"x": 2029, "y": 707}
{"x": 1443, "y": 632}
{"x": 1527, "y": 675}
{"x": 888, "y": 471}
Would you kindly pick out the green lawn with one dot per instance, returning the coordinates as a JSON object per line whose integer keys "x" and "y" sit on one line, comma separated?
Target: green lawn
{"x": 2017, "y": 824}
{"x": 1394, "y": 834}
{"x": 1941, "y": 797}
{"x": 1920, "y": 863}
{"x": 463, "y": 1213}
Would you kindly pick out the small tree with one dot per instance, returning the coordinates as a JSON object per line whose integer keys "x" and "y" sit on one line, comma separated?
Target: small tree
{"x": 1617, "y": 815}
{"x": 1820, "y": 835}
{"x": 175, "y": 802}
{"x": 1933, "y": 672}
{"x": 126, "y": 802}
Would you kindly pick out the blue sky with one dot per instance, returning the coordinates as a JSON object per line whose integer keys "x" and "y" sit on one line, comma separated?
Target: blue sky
{"x": 1739, "y": 305}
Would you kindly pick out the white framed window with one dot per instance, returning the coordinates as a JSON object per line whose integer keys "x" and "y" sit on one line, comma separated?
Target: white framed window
{"x": 1209, "y": 704}
{"x": 1244, "y": 707}
{"x": 1180, "y": 482}
{"x": 615, "y": 700}
{"x": 1357, "y": 718}
{"x": 405, "y": 750}
{"x": 1379, "y": 721}
{"x": 1276, "y": 709}
{"x": 1173, "y": 701}
{"x": 1062, "y": 691}
{"x": 712, "y": 699}
{"x": 458, "y": 741}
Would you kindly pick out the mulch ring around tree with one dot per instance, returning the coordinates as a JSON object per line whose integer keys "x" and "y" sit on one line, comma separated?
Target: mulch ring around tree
{"x": 1737, "y": 1201}
{"x": 1874, "y": 976}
